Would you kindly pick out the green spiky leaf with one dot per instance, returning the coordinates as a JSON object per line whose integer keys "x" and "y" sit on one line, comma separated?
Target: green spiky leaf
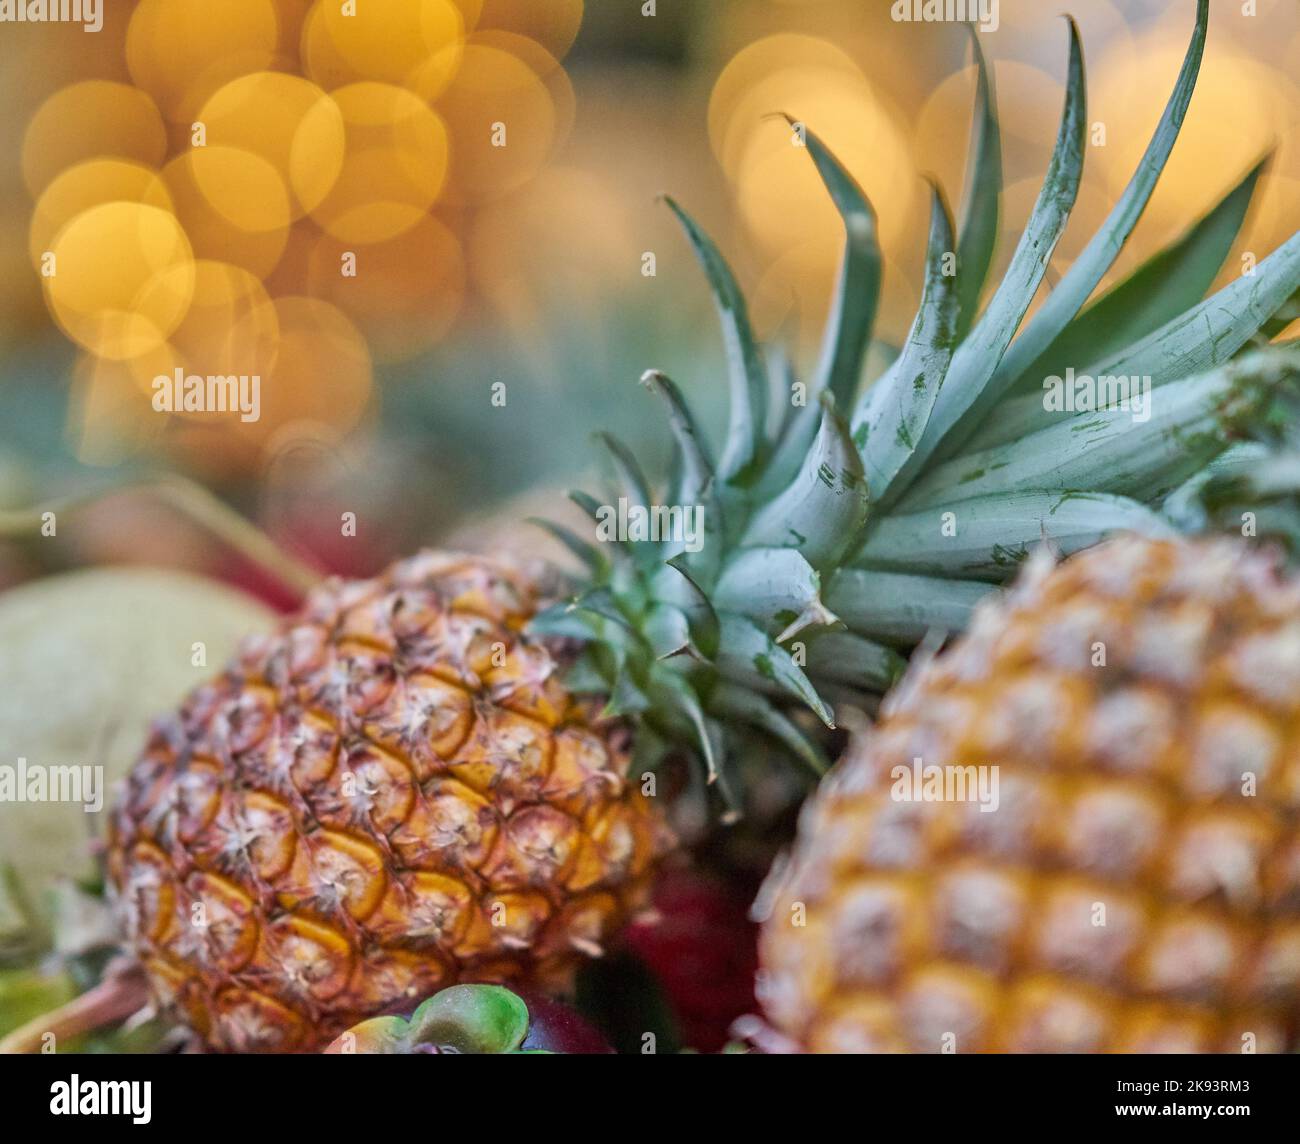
{"x": 853, "y": 309}
{"x": 823, "y": 507}
{"x": 742, "y": 705}
{"x": 987, "y": 537}
{"x": 844, "y": 657}
{"x": 749, "y": 655}
{"x": 775, "y": 587}
{"x": 979, "y": 215}
{"x": 967, "y": 394}
{"x": 892, "y": 419}
{"x": 696, "y": 465}
{"x": 1099, "y": 255}
{"x": 1190, "y": 423}
{"x": 900, "y": 608}
{"x": 743, "y": 454}
{"x": 1157, "y": 292}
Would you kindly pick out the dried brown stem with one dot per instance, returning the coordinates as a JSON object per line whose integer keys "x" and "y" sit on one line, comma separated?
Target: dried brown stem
{"x": 121, "y": 993}
{"x": 197, "y": 503}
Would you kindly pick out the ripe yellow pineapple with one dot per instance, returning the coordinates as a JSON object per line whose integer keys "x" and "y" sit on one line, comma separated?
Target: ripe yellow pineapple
{"x": 1136, "y": 884}
{"x": 391, "y": 794}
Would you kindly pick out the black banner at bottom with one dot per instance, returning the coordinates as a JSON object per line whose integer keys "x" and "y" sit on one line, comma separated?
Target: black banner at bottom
{"x": 382, "y": 1094}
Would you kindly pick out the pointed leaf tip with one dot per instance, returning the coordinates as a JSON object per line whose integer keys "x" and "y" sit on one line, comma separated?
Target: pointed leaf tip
{"x": 980, "y": 194}
{"x": 1087, "y": 270}
{"x": 972, "y": 387}
{"x": 857, "y": 292}
{"x": 745, "y": 448}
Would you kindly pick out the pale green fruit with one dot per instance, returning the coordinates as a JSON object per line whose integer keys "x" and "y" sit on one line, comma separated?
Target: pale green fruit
{"x": 88, "y": 659}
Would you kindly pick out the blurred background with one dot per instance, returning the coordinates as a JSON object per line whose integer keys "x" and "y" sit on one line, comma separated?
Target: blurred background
{"x": 440, "y": 321}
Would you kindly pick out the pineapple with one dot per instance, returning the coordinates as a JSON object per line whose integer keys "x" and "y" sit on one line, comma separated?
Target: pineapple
{"x": 1135, "y": 885}
{"x": 393, "y": 793}
{"x": 350, "y": 809}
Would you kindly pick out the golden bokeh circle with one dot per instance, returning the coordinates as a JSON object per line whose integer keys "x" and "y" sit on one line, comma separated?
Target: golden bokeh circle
{"x": 382, "y": 43}
{"x": 104, "y": 258}
{"x": 180, "y": 51}
{"x": 394, "y": 164}
{"x": 1240, "y": 110}
{"x": 212, "y": 234}
{"x": 242, "y": 187}
{"x": 286, "y": 120}
{"x": 553, "y": 24}
{"x": 323, "y": 370}
{"x": 502, "y": 121}
{"x": 196, "y": 221}
{"x": 731, "y": 104}
{"x": 781, "y": 197}
{"x": 230, "y": 326}
{"x": 90, "y": 120}
{"x": 546, "y": 67}
{"x": 86, "y": 185}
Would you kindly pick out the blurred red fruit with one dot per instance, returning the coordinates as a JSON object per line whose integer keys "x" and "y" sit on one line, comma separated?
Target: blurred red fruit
{"x": 702, "y": 948}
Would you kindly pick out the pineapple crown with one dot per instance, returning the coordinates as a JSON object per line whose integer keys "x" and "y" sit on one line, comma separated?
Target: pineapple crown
{"x": 839, "y": 531}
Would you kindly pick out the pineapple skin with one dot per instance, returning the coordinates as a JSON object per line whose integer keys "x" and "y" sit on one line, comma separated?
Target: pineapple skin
{"x": 933, "y": 926}
{"x": 392, "y": 793}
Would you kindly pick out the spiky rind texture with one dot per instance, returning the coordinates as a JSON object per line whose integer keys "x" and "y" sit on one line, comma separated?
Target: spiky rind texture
{"x": 391, "y": 793}
{"x": 1136, "y": 886}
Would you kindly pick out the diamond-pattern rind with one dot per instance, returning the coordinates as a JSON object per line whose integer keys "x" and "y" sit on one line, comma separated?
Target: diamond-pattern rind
{"x": 393, "y": 792}
{"x": 1138, "y": 886}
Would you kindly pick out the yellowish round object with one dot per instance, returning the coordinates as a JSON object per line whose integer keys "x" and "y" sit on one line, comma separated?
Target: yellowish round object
{"x": 554, "y": 24}
{"x": 181, "y": 51}
{"x": 91, "y": 657}
{"x": 103, "y": 258}
{"x": 394, "y": 164}
{"x": 405, "y": 293}
{"x": 781, "y": 197}
{"x": 90, "y": 184}
{"x": 323, "y": 372}
{"x": 242, "y": 187}
{"x": 1029, "y": 105}
{"x": 91, "y": 120}
{"x": 546, "y": 67}
{"x": 1240, "y": 109}
{"x": 230, "y": 327}
{"x": 211, "y": 233}
{"x": 786, "y": 52}
{"x": 502, "y": 121}
{"x": 285, "y": 120}
{"x": 383, "y": 43}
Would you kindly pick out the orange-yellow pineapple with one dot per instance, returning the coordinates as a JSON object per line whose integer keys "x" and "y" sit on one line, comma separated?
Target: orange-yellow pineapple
{"x": 392, "y": 793}
{"x": 1137, "y": 887}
